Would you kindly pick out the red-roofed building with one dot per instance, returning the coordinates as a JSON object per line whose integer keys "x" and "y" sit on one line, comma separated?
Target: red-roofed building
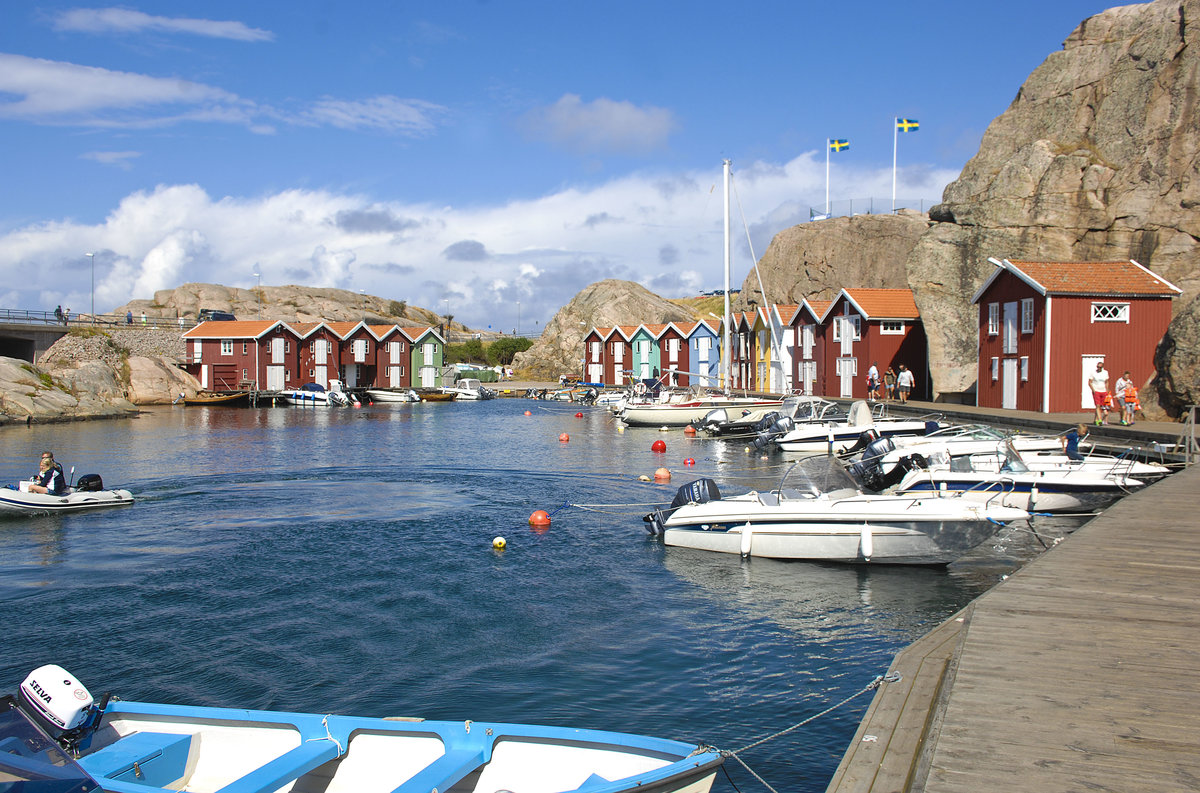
{"x": 871, "y": 326}
{"x": 618, "y": 354}
{"x": 238, "y": 354}
{"x": 1044, "y": 325}
{"x": 593, "y": 354}
{"x": 673, "y": 353}
{"x": 809, "y": 335}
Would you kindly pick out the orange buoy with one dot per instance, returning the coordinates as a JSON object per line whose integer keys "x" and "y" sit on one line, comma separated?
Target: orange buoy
{"x": 578, "y": 415}
{"x": 528, "y": 413}
{"x": 662, "y": 475}
{"x": 564, "y": 438}
{"x": 540, "y": 518}
{"x": 689, "y": 461}
{"x": 689, "y": 430}
{"x": 658, "y": 446}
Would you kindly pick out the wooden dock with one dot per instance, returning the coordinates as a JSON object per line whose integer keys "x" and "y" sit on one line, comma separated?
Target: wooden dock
{"x": 1081, "y": 672}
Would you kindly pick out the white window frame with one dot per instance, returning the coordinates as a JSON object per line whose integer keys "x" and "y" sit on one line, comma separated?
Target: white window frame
{"x": 995, "y": 369}
{"x": 245, "y": 347}
{"x": 1027, "y": 315}
{"x": 227, "y": 346}
{"x": 891, "y": 327}
{"x": 993, "y": 319}
{"x": 856, "y": 319}
{"x": 1109, "y": 311}
{"x": 1024, "y": 368}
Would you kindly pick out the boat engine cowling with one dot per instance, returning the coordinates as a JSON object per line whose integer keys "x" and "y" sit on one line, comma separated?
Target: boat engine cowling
{"x": 89, "y": 483}
{"x": 700, "y": 491}
{"x": 55, "y": 699}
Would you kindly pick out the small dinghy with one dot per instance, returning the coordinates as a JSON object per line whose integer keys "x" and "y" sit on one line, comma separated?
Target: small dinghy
{"x": 87, "y": 493}
{"x": 53, "y": 733}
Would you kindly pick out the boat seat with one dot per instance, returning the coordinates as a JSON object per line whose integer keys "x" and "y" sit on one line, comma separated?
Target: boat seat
{"x": 447, "y": 770}
{"x": 141, "y": 760}
{"x": 768, "y": 499}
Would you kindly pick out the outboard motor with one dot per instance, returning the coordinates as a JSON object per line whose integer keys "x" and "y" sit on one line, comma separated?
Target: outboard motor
{"x": 863, "y": 441}
{"x": 700, "y": 491}
{"x": 767, "y": 421}
{"x": 59, "y": 704}
{"x": 777, "y": 430}
{"x": 89, "y": 483}
{"x": 714, "y": 418}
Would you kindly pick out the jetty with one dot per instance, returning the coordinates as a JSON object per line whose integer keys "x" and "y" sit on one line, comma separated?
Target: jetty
{"x": 1081, "y": 671}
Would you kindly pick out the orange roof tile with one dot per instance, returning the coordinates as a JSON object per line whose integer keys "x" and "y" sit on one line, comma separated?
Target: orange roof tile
{"x": 787, "y": 313}
{"x": 236, "y": 328}
{"x": 885, "y": 303}
{"x": 1092, "y": 278}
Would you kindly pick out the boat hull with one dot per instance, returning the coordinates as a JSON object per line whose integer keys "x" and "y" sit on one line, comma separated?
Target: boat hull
{"x": 683, "y": 413}
{"x": 210, "y": 749}
{"x": 384, "y": 395}
{"x": 812, "y": 439}
{"x": 1035, "y": 492}
{"x": 15, "y": 503}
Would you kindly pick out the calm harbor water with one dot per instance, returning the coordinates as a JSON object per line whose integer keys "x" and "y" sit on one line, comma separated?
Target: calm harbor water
{"x": 340, "y": 561}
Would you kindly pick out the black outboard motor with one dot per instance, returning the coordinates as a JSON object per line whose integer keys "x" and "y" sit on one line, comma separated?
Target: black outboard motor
{"x": 863, "y": 441}
{"x": 780, "y": 428}
{"x": 700, "y": 491}
{"x": 767, "y": 421}
{"x": 89, "y": 483}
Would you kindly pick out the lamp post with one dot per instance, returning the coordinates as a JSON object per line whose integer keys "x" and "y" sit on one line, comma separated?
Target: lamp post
{"x": 363, "y": 294}
{"x": 258, "y": 292}
{"x": 92, "y": 256}
{"x": 518, "y": 328}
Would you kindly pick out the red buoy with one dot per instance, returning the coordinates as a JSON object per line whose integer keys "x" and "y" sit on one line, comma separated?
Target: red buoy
{"x": 527, "y": 413}
{"x": 689, "y": 461}
{"x": 689, "y": 430}
{"x": 564, "y": 438}
{"x": 658, "y": 446}
{"x": 540, "y": 518}
{"x": 578, "y": 415}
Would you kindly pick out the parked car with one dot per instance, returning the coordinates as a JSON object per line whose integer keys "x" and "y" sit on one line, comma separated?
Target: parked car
{"x": 209, "y": 314}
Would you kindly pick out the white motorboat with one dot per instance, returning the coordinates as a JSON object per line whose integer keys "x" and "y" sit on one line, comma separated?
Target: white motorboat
{"x": 87, "y": 493}
{"x": 469, "y": 388}
{"x": 680, "y": 414}
{"x": 840, "y": 436}
{"x": 393, "y": 395}
{"x": 315, "y": 394}
{"x": 140, "y": 747}
{"x": 726, "y": 422}
{"x": 819, "y": 514}
{"x": 999, "y": 475}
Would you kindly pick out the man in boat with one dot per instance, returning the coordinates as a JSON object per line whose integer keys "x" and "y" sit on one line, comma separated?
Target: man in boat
{"x": 50, "y": 479}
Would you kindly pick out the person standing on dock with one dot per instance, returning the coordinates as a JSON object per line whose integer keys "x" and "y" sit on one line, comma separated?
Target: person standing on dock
{"x": 1098, "y": 382}
{"x": 1118, "y": 394}
{"x": 904, "y": 383}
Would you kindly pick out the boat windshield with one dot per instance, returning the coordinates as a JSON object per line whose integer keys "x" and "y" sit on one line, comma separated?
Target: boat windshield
{"x": 30, "y": 761}
{"x": 817, "y": 475}
{"x": 1012, "y": 460}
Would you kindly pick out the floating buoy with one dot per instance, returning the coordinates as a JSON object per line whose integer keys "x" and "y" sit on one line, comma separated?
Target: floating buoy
{"x": 563, "y": 438}
{"x": 620, "y": 428}
{"x": 658, "y": 446}
{"x": 643, "y": 478}
{"x": 540, "y": 518}
{"x": 357, "y": 404}
{"x": 528, "y": 413}
{"x": 664, "y": 428}
{"x": 578, "y": 415}
{"x": 689, "y": 461}
{"x": 499, "y": 543}
{"x": 662, "y": 475}
{"x": 689, "y": 430}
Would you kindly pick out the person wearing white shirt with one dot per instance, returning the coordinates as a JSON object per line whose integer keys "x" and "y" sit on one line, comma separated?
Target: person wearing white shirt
{"x": 1098, "y": 382}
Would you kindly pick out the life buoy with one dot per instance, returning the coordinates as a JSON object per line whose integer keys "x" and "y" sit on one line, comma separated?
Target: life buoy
{"x": 639, "y": 389}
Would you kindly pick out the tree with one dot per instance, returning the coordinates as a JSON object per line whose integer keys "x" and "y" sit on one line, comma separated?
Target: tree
{"x": 502, "y": 350}
{"x": 397, "y": 308}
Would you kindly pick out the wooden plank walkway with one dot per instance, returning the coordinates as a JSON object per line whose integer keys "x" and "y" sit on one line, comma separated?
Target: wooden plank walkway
{"x": 1081, "y": 672}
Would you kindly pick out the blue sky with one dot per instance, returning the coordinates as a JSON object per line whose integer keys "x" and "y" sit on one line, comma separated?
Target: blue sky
{"x": 471, "y": 155}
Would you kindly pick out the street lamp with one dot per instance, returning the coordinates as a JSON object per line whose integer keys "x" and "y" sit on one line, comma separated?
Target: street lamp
{"x": 518, "y": 328}
{"x": 92, "y": 256}
{"x": 363, "y": 294}
{"x": 258, "y": 292}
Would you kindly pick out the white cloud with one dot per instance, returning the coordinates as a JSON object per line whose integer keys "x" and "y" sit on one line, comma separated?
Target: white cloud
{"x": 539, "y": 251}
{"x": 124, "y": 20}
{"x": 601, "y": 126}
{"x": 120, "y": 159}
{"x": 383, "y": 113}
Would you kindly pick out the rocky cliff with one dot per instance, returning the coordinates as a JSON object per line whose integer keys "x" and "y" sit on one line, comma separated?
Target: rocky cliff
{"x": 817, "y": 259}
{"x": 603, "y": 304}
{"x": 1095, "y": 159}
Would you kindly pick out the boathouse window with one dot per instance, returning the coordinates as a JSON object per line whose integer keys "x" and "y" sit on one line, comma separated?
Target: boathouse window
{"x": 287, "y": 374}
{"x": 312, "y": 347}
{"x": 1024, "y": 368}
{"x": 995, "y": 369}
{"x": 310, "y": 374}
{"x": 244, "y": 373}
{"x": 853, "y": 319}
{"x": 1027, "y": 315}
{"x": 1110, "y": 312}
{"x": 892, "y": 327}
{"x": 287, "y": 345}
{"x": 227, "y": 346}
{"x": 993, "y": 319}
{"x": 245, "y": 349}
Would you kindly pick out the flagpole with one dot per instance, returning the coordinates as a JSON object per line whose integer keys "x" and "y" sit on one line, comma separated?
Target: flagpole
{"x": 828, "y": 146}
{"x": 895, "y": 137}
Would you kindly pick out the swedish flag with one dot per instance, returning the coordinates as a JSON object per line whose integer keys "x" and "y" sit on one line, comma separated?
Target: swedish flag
{"x": 838, "y": 145}
{"x": 907, "y": 124}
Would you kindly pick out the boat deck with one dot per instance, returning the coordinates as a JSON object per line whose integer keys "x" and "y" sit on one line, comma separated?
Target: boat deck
{"x": 1076, "y": 673}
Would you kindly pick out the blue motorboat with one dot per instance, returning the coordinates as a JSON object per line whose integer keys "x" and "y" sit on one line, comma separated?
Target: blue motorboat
{"x": 53, "y": 732}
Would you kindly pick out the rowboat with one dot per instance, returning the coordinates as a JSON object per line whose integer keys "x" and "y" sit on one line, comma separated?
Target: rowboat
{"x": 393, "y": 395}
{"x": 231, "y": 399}
{"x": 141, "y": 747}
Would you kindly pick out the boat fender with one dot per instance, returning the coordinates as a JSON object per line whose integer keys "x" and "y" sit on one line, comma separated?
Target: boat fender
{"x": 747, "y": 539}
{"x": 866, "y": 542}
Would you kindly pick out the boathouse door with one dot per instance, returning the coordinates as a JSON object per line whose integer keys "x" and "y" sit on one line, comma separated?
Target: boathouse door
{"x": 394, "y": 371}
{"x": 1089, "y": 366}
{"x": 1008, "y": 383}
{"x": 275, "y": 380}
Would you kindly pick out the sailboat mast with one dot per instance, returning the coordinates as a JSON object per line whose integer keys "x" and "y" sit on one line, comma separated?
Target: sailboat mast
{"x": 727, "y": 357}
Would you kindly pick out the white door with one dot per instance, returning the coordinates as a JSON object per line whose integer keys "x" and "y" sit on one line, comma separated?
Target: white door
{"x": 319, "y": 352}
{"x": 847, "y": 336}
{"x": 808, "y": 376}
{"x": 1008, "y": 383}
{"x": 643, "y": 356}
{"x": 428, "y": 376}
{"x": 596, "y": 372}
{"x": 321, "y": 375}
{"x": 276, "y": 354}
{"x": 204, "y": 376}
{"x": 275, "y": 375}
{"x": 808, "y": 341}
{"x": 1010, "y": 328}
{"x": 352, "y": 375}
{"x": 1089, "y": 367}
{"x": 847, "y": 369}
{"x": 196, "y": 347}
{"x": 394, "y": 376}
{"x": 360, "y": 350}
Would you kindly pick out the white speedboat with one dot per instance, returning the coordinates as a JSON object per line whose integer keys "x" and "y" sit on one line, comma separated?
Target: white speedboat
{"x": 141, "y": 747}
{"x": 393, "y": 395}
{"x": 315, "y": 394}
{"x": 680, "y": 414}
{"x": 839, "y": 436}
{"x": 999, "y": 475}
{"x": 87, "y": 493}
{"x": 819, "y": 514}
{"x": 469, "y": 389}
